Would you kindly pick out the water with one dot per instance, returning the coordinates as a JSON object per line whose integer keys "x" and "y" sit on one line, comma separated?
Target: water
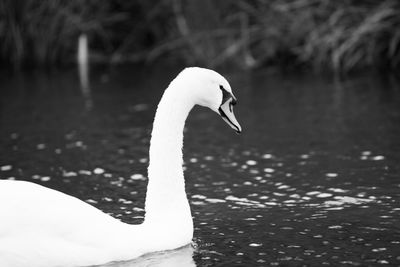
{"x": 313, "y": 179}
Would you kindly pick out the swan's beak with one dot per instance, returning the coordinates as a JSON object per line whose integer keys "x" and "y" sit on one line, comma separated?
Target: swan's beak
{"x": 226, "y": 112}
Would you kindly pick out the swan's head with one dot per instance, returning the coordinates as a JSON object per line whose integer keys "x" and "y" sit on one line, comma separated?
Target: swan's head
{"x": 212, "y": 90}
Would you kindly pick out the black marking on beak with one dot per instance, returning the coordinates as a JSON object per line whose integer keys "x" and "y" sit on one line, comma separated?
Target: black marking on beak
{"x": 223, "y": 115}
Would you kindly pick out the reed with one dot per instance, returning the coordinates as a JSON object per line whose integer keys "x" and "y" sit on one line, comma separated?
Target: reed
{"x": 46, "y": 31}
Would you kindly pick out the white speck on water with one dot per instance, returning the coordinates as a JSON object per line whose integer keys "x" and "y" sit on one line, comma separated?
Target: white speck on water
{"x": 289, "y": 201}
{"x": 40, "y": 146}
{"x": 297, "y": 196}
{"x": 45, "y": 178}
{"x": 98, "y": 171}
{"x": 324, "y": 195}
{"x": 362, "y": 194}
{"x": 143, "y": 160}
{"x": 331, "y": 174}
{"x": 14, "y": 136}
{"x": 69, "y": 174}
{"x": 247, "y": 183}
{"x": 137, "y": 209}
{"x": 78, "y": 143}
{"x": 193, "y": 160}
{"x": 137, "y": 176}
{"x": 91, "y": 201}
{"x": 84, "y": 172}
{"x": 378, "y": 249}
{"x": 337, "y": 190}
{"x": 215, "y": 200}
{"x": 335, "y": 227}
{"x": 366, "y": 153}
{"x": 57, "y": 151}
{"x": 283, "y": 187}
{"x": 378, "y": 157}
{"x": 107, "y": 199}
{"x": 267, "y": 156}
{"x": 199, "y": 196}
{"x": 36, "y": 176}
{"x": 313, "y": 193}
{"x": 251, "y": 162}
{"x": 197, "y": 203}
{"x": 209, "y": 158}
{"x": 125, "y": 201}
{"x": 255, "y": 245}
{"x": 244, "y": 201}
{"x": 305, "y": 156}
{"x": 6, "y": 168}
{"x": 342, "y": 200}
{"x": 363, "y": 157}
{"x": 269, "y": 170}
{"x": 11, "y": 178}
{"x": 270, "y": 203}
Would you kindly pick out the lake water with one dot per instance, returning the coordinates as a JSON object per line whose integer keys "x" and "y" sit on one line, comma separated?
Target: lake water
{"x": 314, "y": 179}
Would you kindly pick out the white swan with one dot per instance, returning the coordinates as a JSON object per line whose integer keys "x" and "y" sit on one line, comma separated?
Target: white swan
{"x": 43, "y": 227}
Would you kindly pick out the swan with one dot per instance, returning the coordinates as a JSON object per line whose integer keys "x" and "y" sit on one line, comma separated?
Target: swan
{"x": 42, "y": 227}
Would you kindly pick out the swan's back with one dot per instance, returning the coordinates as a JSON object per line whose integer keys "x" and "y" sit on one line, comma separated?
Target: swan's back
{"x": 46, "y": 223}
{"x": 33, "y": 205}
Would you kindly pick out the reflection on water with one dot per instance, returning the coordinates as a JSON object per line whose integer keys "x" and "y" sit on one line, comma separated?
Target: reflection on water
{"x": 182, "y": 257}
{"x": 312, "y": 180}
{"x": 83, "y": 69}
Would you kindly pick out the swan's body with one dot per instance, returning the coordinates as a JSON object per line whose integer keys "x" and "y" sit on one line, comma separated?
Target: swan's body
{"x": 43, "y": 227}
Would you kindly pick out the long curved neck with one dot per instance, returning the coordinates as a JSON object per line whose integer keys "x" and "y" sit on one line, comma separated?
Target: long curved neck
{"x": 166, "y": 199}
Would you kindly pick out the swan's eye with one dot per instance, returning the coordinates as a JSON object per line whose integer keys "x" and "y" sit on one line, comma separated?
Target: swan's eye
{"x": 221, "y": 87}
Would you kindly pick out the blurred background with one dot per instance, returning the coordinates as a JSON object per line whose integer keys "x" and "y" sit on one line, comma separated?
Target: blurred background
{"x": 338, "y": 36}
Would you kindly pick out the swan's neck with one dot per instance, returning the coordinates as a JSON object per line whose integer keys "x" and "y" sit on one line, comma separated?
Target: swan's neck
{"x": 166, "y": 200}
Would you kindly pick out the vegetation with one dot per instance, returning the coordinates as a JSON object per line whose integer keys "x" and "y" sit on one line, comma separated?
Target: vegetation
{"x": 324, "y": 34}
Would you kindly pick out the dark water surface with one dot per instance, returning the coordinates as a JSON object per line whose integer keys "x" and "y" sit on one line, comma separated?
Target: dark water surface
{"x": 313, "y": 180}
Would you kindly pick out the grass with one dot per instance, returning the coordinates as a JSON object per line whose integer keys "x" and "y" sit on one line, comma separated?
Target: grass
{"x": 339, "y": 36}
